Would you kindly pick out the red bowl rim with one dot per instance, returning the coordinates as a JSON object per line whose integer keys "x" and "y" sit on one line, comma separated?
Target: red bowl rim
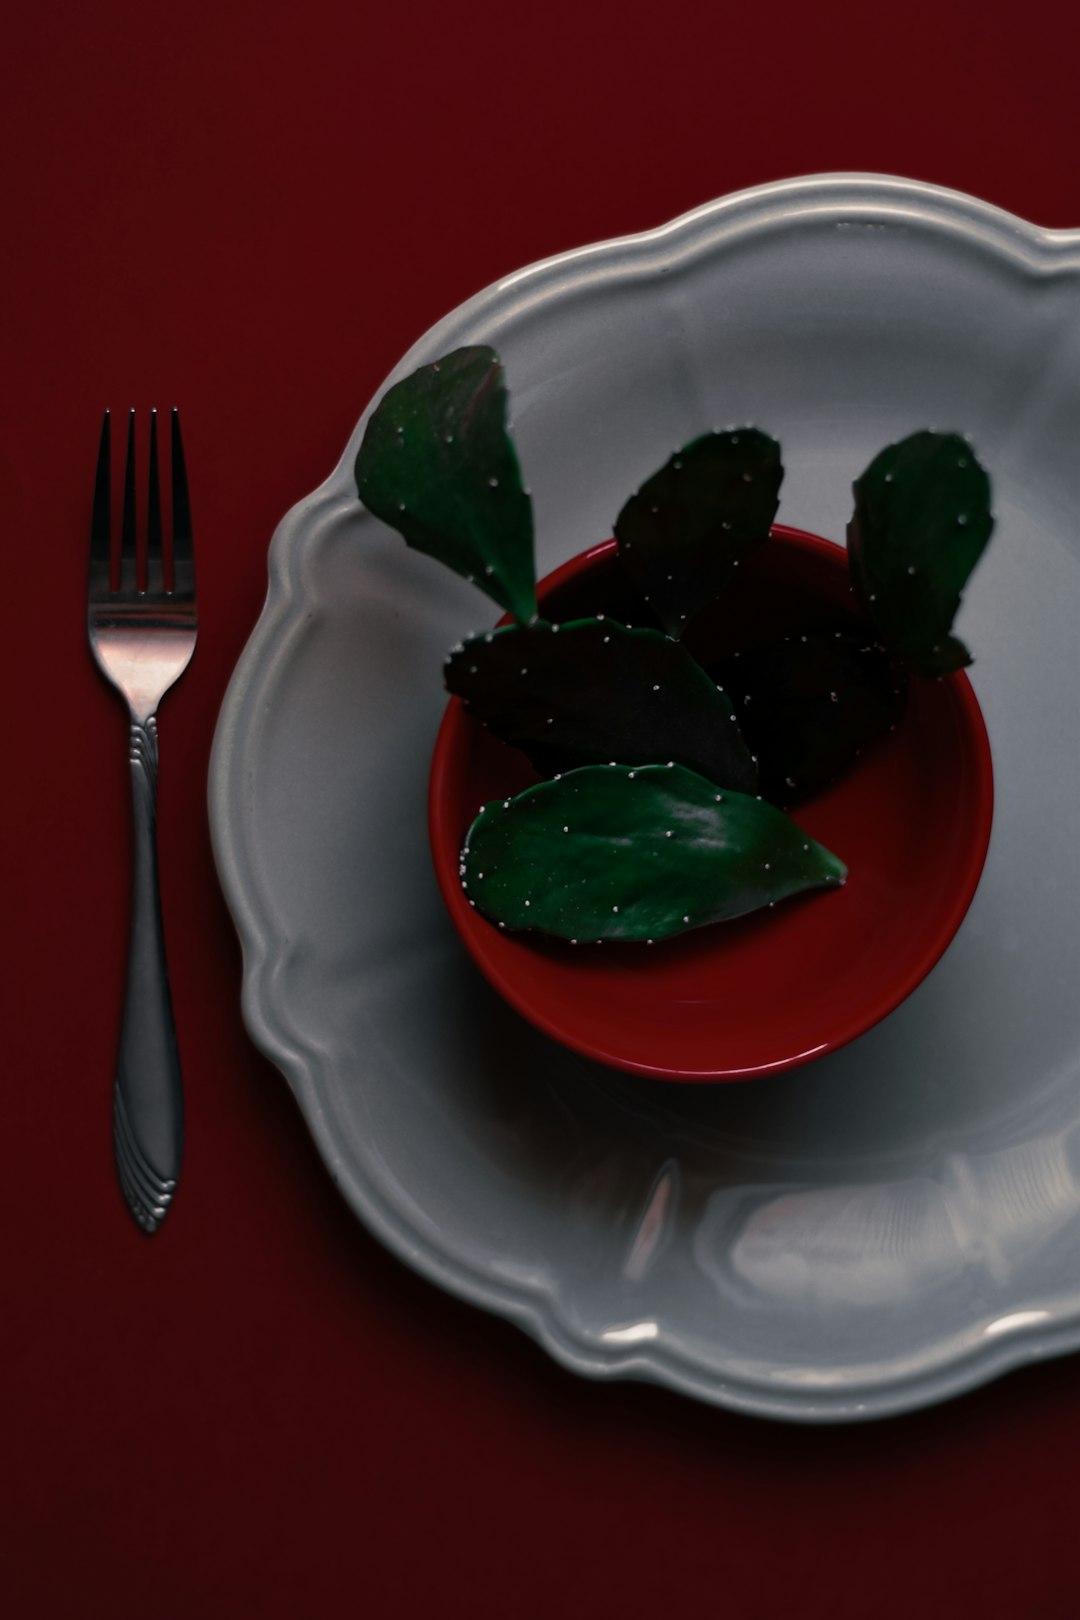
{"x": 474, "y": 931}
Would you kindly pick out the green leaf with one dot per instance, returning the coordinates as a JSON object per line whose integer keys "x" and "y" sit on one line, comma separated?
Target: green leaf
{"x": 810, "y": 704}
{"x": 685, "y": 530}
{"x": 591, "y": 691}
{"x": 436, "y": 463}
{"x": 616, "y": 854}
{"x": 922, "y": 520}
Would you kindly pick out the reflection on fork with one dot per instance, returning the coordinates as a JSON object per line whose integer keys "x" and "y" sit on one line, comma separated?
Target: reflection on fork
{"x": 142, "y": 627}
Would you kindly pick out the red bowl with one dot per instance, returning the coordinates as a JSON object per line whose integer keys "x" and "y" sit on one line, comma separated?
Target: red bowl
{"x": 764, "y": 993}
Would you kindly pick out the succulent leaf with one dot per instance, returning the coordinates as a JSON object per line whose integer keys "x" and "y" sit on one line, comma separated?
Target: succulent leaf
{"x": 591, "y": 691}
{"x": 694, "y": 520}
{"x": 437, "y": 464}
{"x": 810, "y": 704}
{"x": 922, "y": 520}
{"x": 607, "y": 853}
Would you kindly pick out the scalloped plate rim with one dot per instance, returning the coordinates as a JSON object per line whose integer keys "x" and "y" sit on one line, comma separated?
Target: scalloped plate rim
{"x": 946, "y": 1368}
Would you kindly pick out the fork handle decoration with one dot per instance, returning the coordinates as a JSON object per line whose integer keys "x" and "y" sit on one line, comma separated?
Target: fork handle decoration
{"x": 148, "y": 1103}
{"x": 142, "y": 635}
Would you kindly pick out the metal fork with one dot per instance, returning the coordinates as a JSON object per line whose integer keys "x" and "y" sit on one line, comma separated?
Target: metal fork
{"x": 142, "y": 639}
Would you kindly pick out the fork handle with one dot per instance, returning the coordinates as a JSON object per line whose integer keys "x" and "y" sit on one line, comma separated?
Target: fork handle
{"x": 148, "y": 1103}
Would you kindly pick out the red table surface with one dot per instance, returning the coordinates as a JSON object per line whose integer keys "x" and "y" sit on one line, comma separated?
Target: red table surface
{"x": 253, "y": 209}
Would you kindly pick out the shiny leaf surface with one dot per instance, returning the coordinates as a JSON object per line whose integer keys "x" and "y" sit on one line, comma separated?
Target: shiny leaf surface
{"x": 436, "y": 464}
{"x": 591, "y": 691}
{"x": 692, "y": 522}
{"x": 607, "y": 853}
{"x": 922, "y": 520}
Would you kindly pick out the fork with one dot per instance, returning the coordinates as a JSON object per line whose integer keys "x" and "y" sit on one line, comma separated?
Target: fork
{"x": 142, "y": 638}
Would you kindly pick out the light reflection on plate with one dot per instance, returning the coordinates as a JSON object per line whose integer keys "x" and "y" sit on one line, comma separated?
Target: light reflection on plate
{"x": 899, "y": 1222}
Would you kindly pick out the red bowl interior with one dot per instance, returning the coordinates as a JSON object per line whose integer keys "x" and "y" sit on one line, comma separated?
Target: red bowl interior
{"x": 911, "y": 820}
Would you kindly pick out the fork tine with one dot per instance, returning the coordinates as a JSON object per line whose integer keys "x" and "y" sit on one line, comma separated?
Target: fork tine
{"x": 183, "y": 551}
{"x": 155, "y": 568}
{"x": 100, "y": 547}
{"x": 127, "y": 521}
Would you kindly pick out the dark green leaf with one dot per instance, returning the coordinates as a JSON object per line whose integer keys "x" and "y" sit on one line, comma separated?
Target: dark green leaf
{"x": 436, "y": 463}
{"x": 810, "y": 704}
{"x": 922, "y": 520}
{"x": 617, "y": 854}
{"x": 693, "y": 521}
{"x": 591, "y": 691}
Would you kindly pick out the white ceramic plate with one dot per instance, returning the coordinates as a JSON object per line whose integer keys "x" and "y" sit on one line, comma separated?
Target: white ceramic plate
{"x": 900, "y": 1221}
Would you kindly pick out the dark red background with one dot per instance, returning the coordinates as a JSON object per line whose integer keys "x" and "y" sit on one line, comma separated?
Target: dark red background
{"x": 253, "y": 208}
